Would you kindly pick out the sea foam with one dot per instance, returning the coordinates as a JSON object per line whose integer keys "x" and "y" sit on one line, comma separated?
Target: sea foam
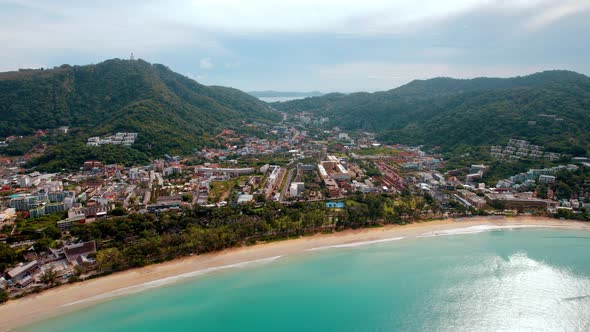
{"x": 355, "y": 244}
{"x": 478, "y": 229}
{"x": 169, "y": 280}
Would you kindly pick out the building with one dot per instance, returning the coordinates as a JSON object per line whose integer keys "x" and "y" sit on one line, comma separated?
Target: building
{"x": 92, "y": 164}
{"x": 333, "y": 169}
{"x": 322, "y": 171}
{"x": 332, "y": 186}
{"x": 306, "y": 167}
{"x": 134, "y": 173}
{"x": 37, "y": 212}
{"x": 23, "y": 203}
{"x": 65, "y": 225}
{"x": 341, "y": 174}
{"x": 126, "y": 139}
{"x": 51, "y": 186}
{"x": 296, "y": 188}
{"x": 478, "y": 168}
{"x": 59, "y": 196}
{"x": 54, "y": 208}
{"x": 23, "y": 274}
{"x": 474, "y": 200}
{"x": 25, "y": 181}
{"x": 519, "y": 201}
{"x": 546, "y": 178}
{"x": 89, "y": 212}
{"x": 172, "y": 170}
{"x": 72, "y": 252}
{"x": 362, "y": 187}
{"x": 163, "y": 206}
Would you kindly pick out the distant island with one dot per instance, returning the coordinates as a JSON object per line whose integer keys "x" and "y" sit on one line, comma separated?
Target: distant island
{"x": 272, "y": 93}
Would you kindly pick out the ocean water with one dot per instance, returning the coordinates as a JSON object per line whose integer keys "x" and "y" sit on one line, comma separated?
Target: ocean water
{"x": 281, "y": 99}
{"x": 521, "y": 279}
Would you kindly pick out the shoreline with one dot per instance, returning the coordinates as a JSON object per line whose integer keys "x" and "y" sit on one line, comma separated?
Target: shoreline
{"x": 72, "y": 297}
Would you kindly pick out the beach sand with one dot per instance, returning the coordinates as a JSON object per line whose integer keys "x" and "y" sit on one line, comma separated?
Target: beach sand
{"x": 71, "y": 297}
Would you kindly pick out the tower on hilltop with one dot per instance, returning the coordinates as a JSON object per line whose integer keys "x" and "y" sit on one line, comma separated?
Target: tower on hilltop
{"x": 132, "y": 57}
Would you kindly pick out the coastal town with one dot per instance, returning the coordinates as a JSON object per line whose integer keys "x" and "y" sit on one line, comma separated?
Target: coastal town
{"x": 294, "y": 166}
{"x": 302, "y": 160}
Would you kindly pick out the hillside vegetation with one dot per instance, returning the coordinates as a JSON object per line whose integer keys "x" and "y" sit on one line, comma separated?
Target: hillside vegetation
{"x": 551, "y": 108}
{"x": 171, "y": 113}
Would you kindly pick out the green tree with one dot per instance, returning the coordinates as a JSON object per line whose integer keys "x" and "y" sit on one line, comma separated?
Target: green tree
{"x": 4, "y": 296}
{"x": 7, "y": 256}
{"x": 49, "y": 277}
{"x": 118, "y": 211}
{"x": 42, "y": 244}
{"x": 78, "y": 270}
{"x": 109, "y": 259}
{"x": 187, "y": 198}
{"x": 52, "y": 232}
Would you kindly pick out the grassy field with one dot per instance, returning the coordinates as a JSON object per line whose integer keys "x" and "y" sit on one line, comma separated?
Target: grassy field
{"x": 220, "y": 190}
{"x": 376, "y": 151}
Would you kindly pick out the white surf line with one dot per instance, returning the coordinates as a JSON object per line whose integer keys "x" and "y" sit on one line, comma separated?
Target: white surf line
{"x": 479, "y": 229}
{"x": 355, "y": 244}
{"x": 169, "y": 280}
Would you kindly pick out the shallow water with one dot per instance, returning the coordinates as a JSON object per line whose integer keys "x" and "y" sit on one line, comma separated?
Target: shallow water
{"x": 484, "y": 280}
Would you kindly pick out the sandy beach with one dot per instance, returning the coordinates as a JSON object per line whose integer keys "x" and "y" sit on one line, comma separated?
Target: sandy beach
{"x": 68, "y": 298}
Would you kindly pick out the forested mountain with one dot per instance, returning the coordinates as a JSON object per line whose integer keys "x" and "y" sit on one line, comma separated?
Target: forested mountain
{"x": 551, "y": 108}
{"x": 171, "y": 113}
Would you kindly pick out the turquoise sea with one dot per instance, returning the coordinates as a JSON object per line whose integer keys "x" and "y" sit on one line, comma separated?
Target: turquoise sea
{"x": 522, "y": 279}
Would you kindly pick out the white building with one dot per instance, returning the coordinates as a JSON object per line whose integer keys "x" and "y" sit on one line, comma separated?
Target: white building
{"x": 546, "y": 178}
{"x": 25, "y": 181}
{"x": 296, "y": 188}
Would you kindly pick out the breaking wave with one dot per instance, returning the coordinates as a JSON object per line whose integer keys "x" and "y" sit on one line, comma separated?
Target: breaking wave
{"x": 355, "y": 244}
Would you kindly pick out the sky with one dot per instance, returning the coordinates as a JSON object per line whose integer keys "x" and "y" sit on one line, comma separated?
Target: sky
{"x": 303, "y": 45}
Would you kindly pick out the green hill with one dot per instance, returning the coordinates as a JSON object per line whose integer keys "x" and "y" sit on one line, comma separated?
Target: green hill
{"x": 171, "y": 113}
{"x": 450, "y": 112}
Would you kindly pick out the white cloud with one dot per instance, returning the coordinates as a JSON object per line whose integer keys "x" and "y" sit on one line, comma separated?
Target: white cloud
{"x": 206, "y": 63}
{"x": 146, "y": 27}
{"x": 102, "y": 29}
{"x": 335, "y": 16}
{"x": 556, "y": 12}
{"x": 260, "y": 42}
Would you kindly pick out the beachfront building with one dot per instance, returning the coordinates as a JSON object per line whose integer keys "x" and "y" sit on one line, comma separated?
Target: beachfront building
{"x": 77, "y": 254}
{"x": 23, "y": 274}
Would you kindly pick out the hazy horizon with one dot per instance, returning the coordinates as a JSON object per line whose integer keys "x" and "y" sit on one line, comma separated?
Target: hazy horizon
{"x": 328, "y": 46}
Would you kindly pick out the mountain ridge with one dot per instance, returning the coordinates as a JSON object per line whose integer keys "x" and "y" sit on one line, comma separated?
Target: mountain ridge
{"x": 123, "y": 96}
{"x": 90, "y": 96}
{"x": 447, "y": 112}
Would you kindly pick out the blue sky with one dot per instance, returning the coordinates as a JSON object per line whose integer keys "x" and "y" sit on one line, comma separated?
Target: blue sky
{"x": 303, "y": 45}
